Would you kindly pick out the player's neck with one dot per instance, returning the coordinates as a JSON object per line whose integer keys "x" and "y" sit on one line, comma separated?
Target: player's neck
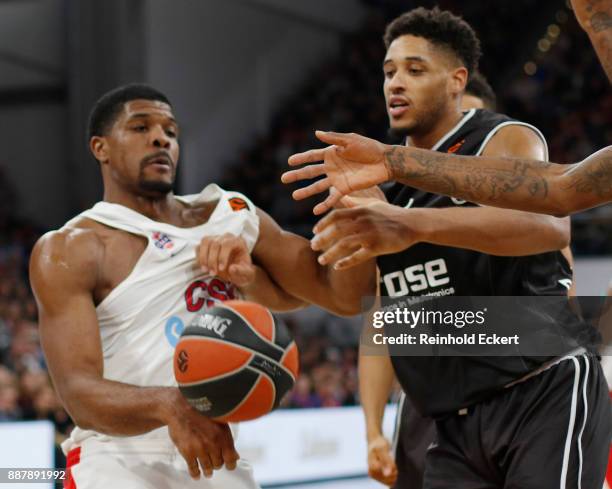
{"x": 164, "y": 208}
{"x": 442, "y": 127}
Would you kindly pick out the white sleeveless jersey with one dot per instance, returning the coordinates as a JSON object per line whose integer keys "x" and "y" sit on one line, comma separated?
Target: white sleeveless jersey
{"x": 142, "y": 318}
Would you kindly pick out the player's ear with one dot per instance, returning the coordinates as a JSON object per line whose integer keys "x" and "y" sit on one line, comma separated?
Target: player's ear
{"x": 458, "y": 80}
{"x": 99, "y": 148}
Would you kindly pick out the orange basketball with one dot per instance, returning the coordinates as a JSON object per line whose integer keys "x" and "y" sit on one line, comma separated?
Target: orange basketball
{"x": 234, "y": 362}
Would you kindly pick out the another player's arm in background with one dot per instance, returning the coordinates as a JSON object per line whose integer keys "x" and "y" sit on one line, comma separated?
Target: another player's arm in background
{"x": 227, "y": 256}
{"x": 292, "y": 264}
{"x": 376, "y": 377}
{"x": 354, "y": 162}
{"x": 595, "y": 17}
{"x": 64, "y": 269}
{"x": 500, "y": 232}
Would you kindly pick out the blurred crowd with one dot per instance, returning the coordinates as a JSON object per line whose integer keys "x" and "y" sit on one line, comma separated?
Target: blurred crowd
{"x": 26, "y": 392}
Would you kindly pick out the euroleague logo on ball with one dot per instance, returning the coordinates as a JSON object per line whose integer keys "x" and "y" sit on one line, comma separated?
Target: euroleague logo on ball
{"x": 182, "y": 360}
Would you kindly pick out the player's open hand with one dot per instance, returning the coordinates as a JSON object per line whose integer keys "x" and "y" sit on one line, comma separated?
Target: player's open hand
{"x": 227, "y": 256}
{"x": 204, "y": 444}
{"x": 353, "y": 162}
{"x": 381, "y": 466}
{"x": 349, "y": 237}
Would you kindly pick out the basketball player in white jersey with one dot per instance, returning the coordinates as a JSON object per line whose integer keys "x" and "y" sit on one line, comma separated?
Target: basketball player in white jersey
{"x": 116, "y": 285}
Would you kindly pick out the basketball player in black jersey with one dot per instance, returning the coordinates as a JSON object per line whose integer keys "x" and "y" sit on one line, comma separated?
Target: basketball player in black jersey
{"x": 413, "y": 434}
{"x": 516, "y": 183}
{"x": 429, "y": 244}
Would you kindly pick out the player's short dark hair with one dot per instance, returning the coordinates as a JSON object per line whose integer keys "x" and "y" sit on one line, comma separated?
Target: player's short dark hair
{"x": 109, "y": 106}
{"x": 478, "y": 86}
{"x": 441, "y": 28}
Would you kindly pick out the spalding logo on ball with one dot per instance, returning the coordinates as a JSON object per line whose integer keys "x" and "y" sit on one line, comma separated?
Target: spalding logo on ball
{"x": 234, "y": 362}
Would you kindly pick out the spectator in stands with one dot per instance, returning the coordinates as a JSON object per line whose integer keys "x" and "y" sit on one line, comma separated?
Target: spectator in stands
{"x": 9, "y": 393}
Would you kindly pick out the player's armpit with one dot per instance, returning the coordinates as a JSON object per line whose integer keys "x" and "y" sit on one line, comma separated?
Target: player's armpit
{"x": 292, "y": 264}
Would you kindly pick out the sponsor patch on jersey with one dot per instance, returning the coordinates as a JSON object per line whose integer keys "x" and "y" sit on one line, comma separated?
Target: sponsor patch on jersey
{"x": 238, "y": 204}
{"x": 162, "y": 241}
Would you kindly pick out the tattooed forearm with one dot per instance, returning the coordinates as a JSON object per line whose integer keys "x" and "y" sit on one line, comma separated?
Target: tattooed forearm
{"x": 516, "y": 183}
{"x": 593, "y": 178}
{"x": 466, "y": 177}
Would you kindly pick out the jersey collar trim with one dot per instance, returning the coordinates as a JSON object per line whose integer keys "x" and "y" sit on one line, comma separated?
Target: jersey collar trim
{"x": 450, "y": 133}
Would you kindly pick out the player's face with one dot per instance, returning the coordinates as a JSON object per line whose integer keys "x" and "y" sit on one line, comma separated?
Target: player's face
{"x": 143, "y": 147}
{"x": 416, "y": 84}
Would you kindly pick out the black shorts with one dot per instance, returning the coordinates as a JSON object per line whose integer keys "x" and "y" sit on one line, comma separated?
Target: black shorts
{"x": 413, "y": 436}
{"x": 552, "y": 430}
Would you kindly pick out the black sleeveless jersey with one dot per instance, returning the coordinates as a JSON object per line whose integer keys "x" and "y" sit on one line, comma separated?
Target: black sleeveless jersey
{"x": 439, "y": 385}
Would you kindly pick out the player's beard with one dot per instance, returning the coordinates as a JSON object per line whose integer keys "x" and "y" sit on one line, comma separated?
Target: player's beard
{"x": 156, "y": 187}
{"x": 423, "y": 123}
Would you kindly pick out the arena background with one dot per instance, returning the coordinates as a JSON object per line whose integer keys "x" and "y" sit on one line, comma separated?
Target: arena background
{"x": 250, "y": 80}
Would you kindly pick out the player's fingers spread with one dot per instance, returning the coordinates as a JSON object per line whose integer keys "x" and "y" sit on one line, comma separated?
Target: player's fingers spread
{"x": 341, "y": 226}
{"x": 328, "y": 236}
{"x": 336, "y": 138}
{"x": 312, "y": 189}
{"x": 331, "y": 218}
{"x": 191, "y": 461}
{"x": 357, "y": 258}
{"x": 310, "y": 156}
{"x": 343, "y": 248}
{"x": 206, "y": 464}
{"x": 310, "y": 171}
{"x": 332, "y": 199}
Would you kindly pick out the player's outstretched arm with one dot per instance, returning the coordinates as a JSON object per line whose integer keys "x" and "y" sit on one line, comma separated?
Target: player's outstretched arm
{"x": 595, "y": 17}
{"x": 291, "y": 262}
{"x": 64, "y": 268}
{"x": 227, "y": 256}
{"x": 348, "y": 236}
{"x": 355, "y": 162}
